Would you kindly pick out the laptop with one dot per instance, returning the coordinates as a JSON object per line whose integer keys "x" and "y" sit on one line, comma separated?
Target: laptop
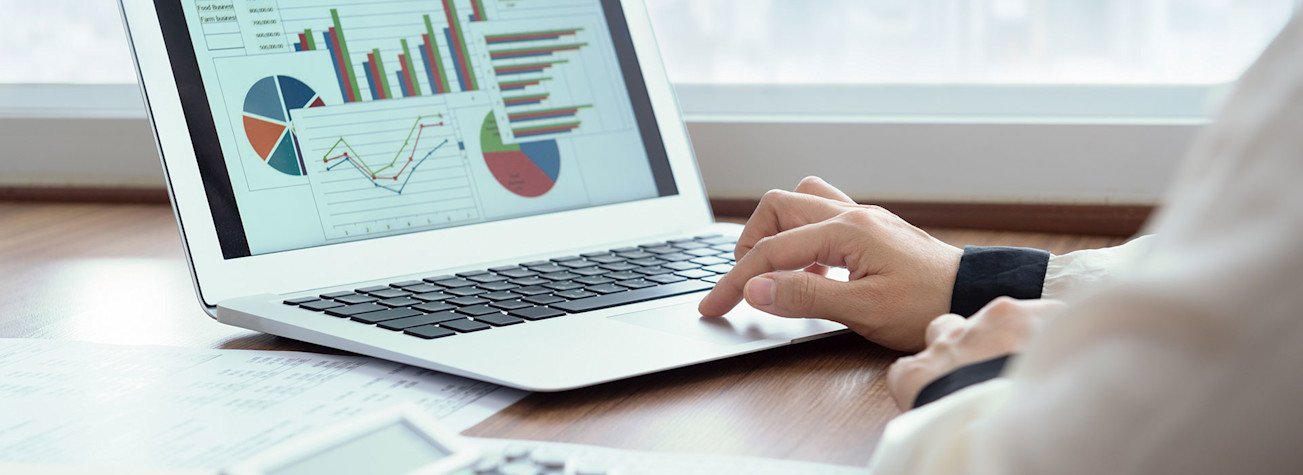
{"x": 497, "y": 189}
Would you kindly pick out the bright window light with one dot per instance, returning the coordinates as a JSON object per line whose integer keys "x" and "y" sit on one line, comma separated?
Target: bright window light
{"x": 811, "y": 41}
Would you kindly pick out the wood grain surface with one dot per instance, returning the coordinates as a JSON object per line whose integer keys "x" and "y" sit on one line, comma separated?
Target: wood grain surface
{"x": 115, "y": 273}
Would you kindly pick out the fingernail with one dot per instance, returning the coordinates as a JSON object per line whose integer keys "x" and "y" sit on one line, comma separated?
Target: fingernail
{"x": 760, "y": 291}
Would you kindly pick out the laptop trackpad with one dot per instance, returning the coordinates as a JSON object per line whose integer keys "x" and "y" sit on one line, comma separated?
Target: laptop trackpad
{"x": 743, "y": 325}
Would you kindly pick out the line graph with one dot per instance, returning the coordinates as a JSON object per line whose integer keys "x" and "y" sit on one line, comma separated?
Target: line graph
{"x": 342, "y": 153}
{"x": 381, "y": 167}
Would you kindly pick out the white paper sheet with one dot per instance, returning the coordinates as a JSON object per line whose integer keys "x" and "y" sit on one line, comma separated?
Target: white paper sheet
{"x": 76, "y": 403}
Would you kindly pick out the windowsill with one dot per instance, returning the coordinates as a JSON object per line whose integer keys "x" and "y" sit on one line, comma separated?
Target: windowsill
{"x": 921, "y": 143}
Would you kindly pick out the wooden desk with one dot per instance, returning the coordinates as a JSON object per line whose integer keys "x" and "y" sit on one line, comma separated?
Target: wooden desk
{"x": 115, "y": 274}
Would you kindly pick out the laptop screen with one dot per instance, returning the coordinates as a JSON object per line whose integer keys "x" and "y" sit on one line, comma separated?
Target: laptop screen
{"x": 322, "y": 122}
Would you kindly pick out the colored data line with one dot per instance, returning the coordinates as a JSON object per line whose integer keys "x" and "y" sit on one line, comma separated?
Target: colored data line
{"x": 477, "y": 8}
{"x": 377, "y": 175}
{"x": 518, "y": 85}
{"x": 526, "y": 68}
{"x": 545, "y": 114}
{"x": 526, "y": 100}
{"x": 457, "y": 41}
{"x": 433, "y": 60}
{"x": 409, "y": 75}
{"x": 545, "y": 129}
{"x": 534, "y": 51}
{"x": 530, "y": 36}
{"x": 341, "y": 46}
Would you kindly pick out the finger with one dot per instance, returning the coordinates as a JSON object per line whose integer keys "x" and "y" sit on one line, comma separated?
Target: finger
{"x": 804, "y": 295}
{"x": 941, "y": 325}
{"x": 813, "y": 185}
{"x": 780, "y": 211}
{"x": 789, "y": 250}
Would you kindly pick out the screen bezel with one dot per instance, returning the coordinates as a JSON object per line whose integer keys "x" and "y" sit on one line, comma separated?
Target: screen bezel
{"x": 218, "y": 278}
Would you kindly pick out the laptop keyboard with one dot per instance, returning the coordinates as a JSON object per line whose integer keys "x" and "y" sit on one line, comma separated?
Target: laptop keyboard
{"x": 447, "y": 305}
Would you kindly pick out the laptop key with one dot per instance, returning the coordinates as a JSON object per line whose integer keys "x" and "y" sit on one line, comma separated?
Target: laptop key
{"x": 320, "y": 305}
{"x": 690, "y": 245}
{"x": 351, "y": 299}
{"x": 646, "y": 261}
{"x": 439, "y": 278}
{"x": 594, "y": 280}
{"x": 575, "y": 294}
{"x": 498, "y": 319}
{"x": 703, "y": 252}
{"x": 632, "y": 296}
{"x": 468, "y": 274}
{"x": 407, "y": 283}
{"x": 350, "y": 310}
{"x": 590, "y": 271}
{"x": 499, "y": 269}
{"x": 607, "y": 288}
{"x": 454, "y": 283}
{"x": 435, "y": 307}
{"x": 714, "y": 279}
{"x": 467, "y": 301}
{"x": 336, "y": 294}
{"x": 619, "y": 266}
{"x": 719, "y": 240}
{"x": 662, "y": 250}
{"x": 432, "y": 296}
{"x": 527, "y": 281}
{"x": 423, "y": 288}
{"x": 511, "y": 304}
{"x": 710, "y": 261}
{"x": 391, "y": 314}
{"x": 429, "y": 332}
{"x": 477, "y": 310}
{"x": 496, "y": 286}
{"x": 547, "y": 268}
{"x": 606, "y": 259}
{"x": 626, "y": 249}
{"x": 636, "y": 283}
{"x": 653, "y": 270}
{"x": 680, "y": 240}
{"x": 564, "y": 259}
{"x": 532, "y": 290}
{"x": 465, "y": 325}
{"x": 677, "y": 257}
{"x": 500, "y": 295}
{"x": 399, "y": 302}
{"x": 466, "y": 291}
{"x": 300, "y": 300}
{"x": 543, "y": 299}
{"x": 486, "y": 278}
{"x": 554, "y": 276}
{"x": 536, "y": 313}
{"x": 682, "y": 265}
{"x": 564, "y": 285}
{"x": 635, "y": 255}
{"x": 694, "y": 273}
{"x": 516, "y": 273}
{"x": 418, "y": 320}
{"x": 666, "y": 278}
{"x": 719, "y": 269}
{"x": 625, "y": 275}
{"x": 390, "y": 293}
{"x": 536, "y": 263}
{"x": 374, "y": 288}
{"x": 578, "y": 264}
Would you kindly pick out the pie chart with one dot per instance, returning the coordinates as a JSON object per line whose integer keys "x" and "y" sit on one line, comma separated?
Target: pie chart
{"x": 526, "y": 169}
{"x": 267, "y": 109}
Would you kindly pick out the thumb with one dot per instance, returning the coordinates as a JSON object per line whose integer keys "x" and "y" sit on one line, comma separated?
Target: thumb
{"x": 799, "y": 295}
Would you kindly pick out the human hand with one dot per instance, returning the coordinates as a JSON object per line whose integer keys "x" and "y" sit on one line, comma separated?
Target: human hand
{"x": 998, "y": 329}
{"x": 900, "y": 277}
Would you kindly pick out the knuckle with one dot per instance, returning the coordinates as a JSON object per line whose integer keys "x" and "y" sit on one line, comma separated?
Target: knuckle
{"x": 809, "y": 181}
{"x": 802, "y": 295}
{"x": 773, "y": 195}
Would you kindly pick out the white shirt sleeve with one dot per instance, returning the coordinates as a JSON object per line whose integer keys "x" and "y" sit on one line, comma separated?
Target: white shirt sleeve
{"x": 1185, "y": 359}
{"x": 1086, "y": 269}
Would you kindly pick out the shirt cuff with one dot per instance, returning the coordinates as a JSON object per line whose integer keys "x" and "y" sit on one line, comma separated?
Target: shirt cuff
{"x": 989, "y": 272}
{"x": 961, "y": 378}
